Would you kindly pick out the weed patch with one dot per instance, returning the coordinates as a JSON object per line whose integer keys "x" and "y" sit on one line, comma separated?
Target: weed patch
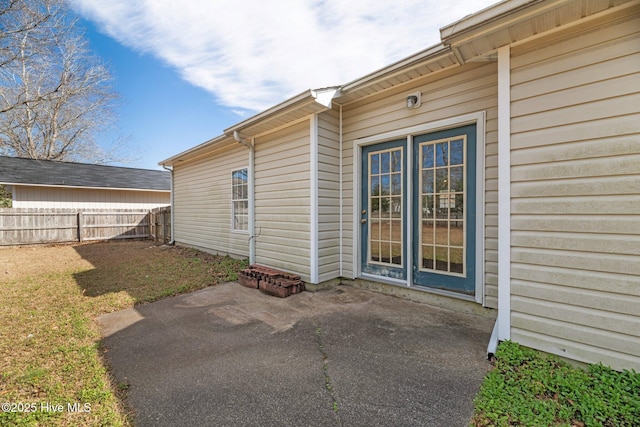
{"x": 527, "y": 388}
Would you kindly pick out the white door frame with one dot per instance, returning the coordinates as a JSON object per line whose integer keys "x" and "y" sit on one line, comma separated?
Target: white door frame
{"x": 477, "y": 118}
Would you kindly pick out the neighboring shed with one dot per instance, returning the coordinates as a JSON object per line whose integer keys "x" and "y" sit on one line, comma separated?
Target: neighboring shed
{"x": 52, "y": 184}
{"x": 499, "y": 170}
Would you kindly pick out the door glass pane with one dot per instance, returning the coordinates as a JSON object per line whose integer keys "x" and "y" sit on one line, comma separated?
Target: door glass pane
{"x": 442, "y": 206}
{"x": 375, "y": 250}
{"x": 442, "y": 258}
{"x": 396, "y": 161}
{"x": 375, "y": 207}
{"x": 427, "y": 257}
{"x": 442, "y": 183}
{"x": 375, "y": 185}
{"x": 427, "y": 156}
{"x": 396, "y": 254}
{"x": 396, "y": 207}
{"x": 427, "y": 181}
{"x": 375, "y": 164}
{"x": 456, "y": 260}
{"x": 386, "y": 207}
{"x": 457, "y": 179}
{"x": 442, "y": 194}
{"x": 442, "y": 154}
{"x": 428, "y": 232}
{"x": 427, "y": 206}
{"x": 442, "y": 233}
{"x": 457, "y": 152}
{"x": 396, "y": 184}
{"x": 457, "y": 211}
{"x": 374, "y": 229}
{"x": 385, "y": 162}
{"x": 456, "y": 233}
{"x": 385, "y": 184}
{"x": 385, "y": 230}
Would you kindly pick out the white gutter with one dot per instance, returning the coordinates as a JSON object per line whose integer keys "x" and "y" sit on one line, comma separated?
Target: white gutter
{"x": 193, "y": 150}
{"x": 252, "y": 226}
{"x": 398, "y": 67}
{"x": 319, "y": 96}
{"x": 487, "y": 15}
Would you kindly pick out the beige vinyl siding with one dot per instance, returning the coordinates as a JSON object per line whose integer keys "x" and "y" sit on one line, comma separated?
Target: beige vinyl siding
{"x": 87, "y": 198}
{"x": 454, "y": 92}
{"x": 328, "y": 196}
{"x": 203, "y": 202}
{"x": 576, "y": 194}
{"x": 282, "y": 199}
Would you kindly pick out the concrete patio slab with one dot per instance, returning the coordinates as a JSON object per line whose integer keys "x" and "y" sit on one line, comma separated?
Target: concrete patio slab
{"x": 229, "y": 355}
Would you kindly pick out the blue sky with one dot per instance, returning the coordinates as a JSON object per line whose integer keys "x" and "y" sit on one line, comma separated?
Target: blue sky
{"x": 160, "y": 113}
{"x": 187, "y": 70}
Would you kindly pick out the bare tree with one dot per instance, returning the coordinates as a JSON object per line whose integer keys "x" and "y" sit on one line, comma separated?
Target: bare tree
{"x": 55, "y": 96}
{"x": 18, "y": 17}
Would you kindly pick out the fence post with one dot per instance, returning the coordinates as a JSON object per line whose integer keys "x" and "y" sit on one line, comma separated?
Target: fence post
{"x": 79, "y": 226}
{"x": 155, "y": 226}
{"x": 164, "y": 228}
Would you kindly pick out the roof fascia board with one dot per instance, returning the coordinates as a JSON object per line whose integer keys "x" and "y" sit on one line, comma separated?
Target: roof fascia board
{"x": 171, "y": 160}
{"x": 480, "y": 20}
{"x": 296, "y": 101}
{"x": 321, "y": 96}
{"x": 82, "y": 187}
{"x": 505, "y": 14}
{"x": 430, "y": 54}
{"x": 284, "y": 126}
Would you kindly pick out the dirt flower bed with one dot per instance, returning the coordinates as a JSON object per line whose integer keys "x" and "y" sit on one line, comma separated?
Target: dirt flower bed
{"x": 51, "y": 369}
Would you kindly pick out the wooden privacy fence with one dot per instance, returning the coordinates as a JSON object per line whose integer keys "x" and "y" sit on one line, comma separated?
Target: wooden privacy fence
{"x": 23, "y": 226}
{"x": 160, "y": 220}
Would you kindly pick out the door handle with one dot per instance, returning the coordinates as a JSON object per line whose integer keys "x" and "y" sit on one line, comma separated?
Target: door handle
{"x": 363, "y": 221}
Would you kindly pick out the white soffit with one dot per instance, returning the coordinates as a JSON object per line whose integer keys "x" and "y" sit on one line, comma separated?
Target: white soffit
{"x": 291, "y": 110}
{"x": 431, "y": 60}
{"x": 512, "y": 21}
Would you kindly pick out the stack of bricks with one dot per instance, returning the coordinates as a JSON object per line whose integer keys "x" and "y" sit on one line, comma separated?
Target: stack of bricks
{"x": 271, "y": 281}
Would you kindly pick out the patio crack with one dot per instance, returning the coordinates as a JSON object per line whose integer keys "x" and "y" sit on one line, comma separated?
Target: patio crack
{"x": 325, "y": 371}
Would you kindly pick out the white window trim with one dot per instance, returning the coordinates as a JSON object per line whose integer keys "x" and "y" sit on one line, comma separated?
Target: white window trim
{"x": 233, "y": 209}
{"x": 477, "y": 118}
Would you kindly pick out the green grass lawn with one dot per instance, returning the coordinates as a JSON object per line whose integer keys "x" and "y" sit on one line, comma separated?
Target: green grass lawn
{"x": 527, "y": 388}
{"x": 51, "y": 367}
{"x": 52, "y": 372}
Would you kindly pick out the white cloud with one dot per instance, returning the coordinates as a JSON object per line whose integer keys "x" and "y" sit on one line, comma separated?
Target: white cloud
{"x": 252, "y": 54}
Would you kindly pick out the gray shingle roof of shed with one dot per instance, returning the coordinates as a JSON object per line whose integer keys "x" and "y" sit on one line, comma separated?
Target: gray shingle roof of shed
{"x": 16, "y": 170}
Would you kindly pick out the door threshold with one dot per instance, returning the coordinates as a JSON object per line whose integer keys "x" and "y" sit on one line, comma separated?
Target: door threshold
{"x": 404, "y": 284}
{"x": 448, "y": 300}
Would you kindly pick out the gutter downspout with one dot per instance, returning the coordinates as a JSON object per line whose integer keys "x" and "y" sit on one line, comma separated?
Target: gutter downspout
{"x": 502, "y": 328}
{"x": 252, "y": 156}
{"x": 340, "y": 144}
{"x": 173, "y": 235}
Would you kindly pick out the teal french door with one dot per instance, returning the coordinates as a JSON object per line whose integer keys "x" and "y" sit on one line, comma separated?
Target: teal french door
{"x": 444, "y": 218}
{"x": 383, "y": 209}
{"x": 441, "y": 221}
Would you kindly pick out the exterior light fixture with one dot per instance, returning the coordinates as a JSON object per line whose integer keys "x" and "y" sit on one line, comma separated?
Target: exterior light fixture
{"x": 414, "y": 100}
